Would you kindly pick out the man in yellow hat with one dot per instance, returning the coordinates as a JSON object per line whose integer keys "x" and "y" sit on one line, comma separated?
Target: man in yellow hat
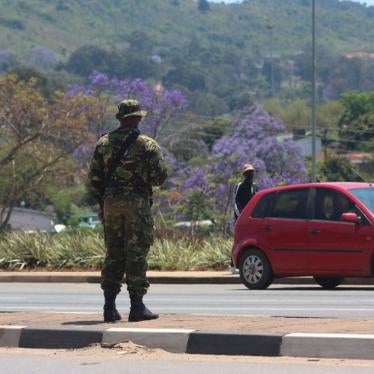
{"x": 245, "y": 189}
{"x": 243, "y": 193}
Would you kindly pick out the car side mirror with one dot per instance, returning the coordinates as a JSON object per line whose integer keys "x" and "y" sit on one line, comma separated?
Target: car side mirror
{"x": 350, "y": 217}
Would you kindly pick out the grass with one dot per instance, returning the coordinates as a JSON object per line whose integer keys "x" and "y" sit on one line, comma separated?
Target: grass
{"x": 85, "y": 250}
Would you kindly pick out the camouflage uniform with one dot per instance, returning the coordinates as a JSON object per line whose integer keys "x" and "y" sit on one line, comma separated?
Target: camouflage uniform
{"x": 126, "y": 203}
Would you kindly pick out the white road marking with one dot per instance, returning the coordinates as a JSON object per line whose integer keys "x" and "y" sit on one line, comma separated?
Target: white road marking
{"x": 245, "y": 301}
{"x": 191, "y": 308}
{"x": 248, "y": 300}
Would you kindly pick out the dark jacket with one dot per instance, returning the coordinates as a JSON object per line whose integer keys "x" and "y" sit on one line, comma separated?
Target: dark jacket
{"x": 243, "y": 193}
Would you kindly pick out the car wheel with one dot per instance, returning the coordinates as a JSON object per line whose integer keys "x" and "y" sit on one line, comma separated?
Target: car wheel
{"x": 329, "y": 282}
{"x": 255, "y": 270}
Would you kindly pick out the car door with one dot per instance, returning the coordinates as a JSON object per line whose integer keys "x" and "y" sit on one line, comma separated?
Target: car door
{"x": 285, "y": 230}
{"x": 337, "y": 247}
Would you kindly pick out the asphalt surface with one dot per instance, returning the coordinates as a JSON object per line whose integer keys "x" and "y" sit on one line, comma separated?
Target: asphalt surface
{"x": 210, "y": 304}
{"x": 30, "y": 363}
{"x": 231, "y": 299}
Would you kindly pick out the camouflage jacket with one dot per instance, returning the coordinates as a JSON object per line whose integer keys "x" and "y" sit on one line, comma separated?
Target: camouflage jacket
{"x": 142, "y": 168}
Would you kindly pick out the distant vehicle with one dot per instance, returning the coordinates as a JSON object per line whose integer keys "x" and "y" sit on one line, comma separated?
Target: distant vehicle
{"x": 324, "y": 230}
{"x": 88, "y": 220}
{"x": 189, "y": 224}
{"x": 60, "y": 228}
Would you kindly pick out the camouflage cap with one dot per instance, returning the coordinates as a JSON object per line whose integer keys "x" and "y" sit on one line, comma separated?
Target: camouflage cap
{"x": 129, "y": 107}
{"x": 247, "y": 167}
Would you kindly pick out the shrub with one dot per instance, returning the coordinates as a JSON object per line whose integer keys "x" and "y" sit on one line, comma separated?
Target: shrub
{"x": 84, "y": 249}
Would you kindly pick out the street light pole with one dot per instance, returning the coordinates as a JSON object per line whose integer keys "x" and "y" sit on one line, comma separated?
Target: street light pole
{"x": 314, "y": 92}
{"x": 270, "y": 28}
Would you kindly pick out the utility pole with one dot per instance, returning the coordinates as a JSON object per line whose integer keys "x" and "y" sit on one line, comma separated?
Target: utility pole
{"x": 314, "y": 93}
{"x": 270, "y": 28}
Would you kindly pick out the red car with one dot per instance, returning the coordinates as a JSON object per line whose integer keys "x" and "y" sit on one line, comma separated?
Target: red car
{"x": 324, "y": 230}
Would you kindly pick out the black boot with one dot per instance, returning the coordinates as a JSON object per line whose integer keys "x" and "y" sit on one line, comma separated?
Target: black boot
{"x": 110, "y": 312}
{"x": 139, "y": 312}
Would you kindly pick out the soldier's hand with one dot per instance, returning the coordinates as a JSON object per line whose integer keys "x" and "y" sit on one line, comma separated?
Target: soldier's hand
{"x": 101, "y": 215}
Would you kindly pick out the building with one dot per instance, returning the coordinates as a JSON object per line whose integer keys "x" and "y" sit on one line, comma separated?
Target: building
{"x": 30, "y": 221}
{"x": 304, "y": 140}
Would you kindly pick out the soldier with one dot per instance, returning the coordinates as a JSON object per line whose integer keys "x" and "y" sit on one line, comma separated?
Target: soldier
{"x": 124, "y": 167}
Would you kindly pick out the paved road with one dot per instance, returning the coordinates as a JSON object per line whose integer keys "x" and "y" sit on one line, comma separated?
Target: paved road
{"x": 278, "y": 300}
{"x": 88, "y": 362}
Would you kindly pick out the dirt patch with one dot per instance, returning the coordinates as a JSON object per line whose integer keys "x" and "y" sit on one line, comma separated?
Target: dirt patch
{"x": 198, "y": 322}
{"x": 132, "y": 353}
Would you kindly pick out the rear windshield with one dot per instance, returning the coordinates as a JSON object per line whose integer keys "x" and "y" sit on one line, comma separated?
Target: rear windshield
{"x": 365, "y": 195}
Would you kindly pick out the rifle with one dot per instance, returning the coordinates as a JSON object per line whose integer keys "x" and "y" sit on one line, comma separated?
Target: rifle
{"x": 121, "y": 154}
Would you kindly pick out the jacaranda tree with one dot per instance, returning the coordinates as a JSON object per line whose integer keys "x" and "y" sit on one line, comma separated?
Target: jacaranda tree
{"x": 252, "y": 139}
{"x": 205, "y": 182}
{"x": 161, "y": 103}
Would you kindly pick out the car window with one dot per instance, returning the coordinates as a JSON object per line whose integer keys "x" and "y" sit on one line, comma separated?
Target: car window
{"x": 290, "y": 204}
{"x": 263, "y": 205}
{"x": 366, "y": 195}
{"x": 330, "y": 205}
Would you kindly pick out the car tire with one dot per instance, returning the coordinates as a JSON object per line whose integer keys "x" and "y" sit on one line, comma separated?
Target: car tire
{"x": 255, "y": 270}
{"x": 329, "y": 282}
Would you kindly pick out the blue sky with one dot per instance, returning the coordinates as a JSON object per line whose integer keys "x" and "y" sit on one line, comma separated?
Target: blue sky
{"x": 368, "y": 2}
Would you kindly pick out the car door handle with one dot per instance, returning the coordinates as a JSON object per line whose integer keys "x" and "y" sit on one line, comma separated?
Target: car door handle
{"x": 314, "y": 231}
{"x": 266, "y": 228}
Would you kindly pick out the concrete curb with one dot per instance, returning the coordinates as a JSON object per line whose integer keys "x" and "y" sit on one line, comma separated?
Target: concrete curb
{"x": 347, "y": 346}
{"x": 69, "y": 277}
{"x": 192, "y": 278}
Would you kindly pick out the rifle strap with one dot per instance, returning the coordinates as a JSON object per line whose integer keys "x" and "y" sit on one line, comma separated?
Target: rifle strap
{"x": 121, "y": 154}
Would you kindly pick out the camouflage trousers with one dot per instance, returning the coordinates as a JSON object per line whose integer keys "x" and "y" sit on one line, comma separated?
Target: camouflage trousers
{"x": 129, "y": 233}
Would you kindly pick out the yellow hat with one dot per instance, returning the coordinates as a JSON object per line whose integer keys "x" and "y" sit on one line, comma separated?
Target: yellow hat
{"x": 247, "y": 167}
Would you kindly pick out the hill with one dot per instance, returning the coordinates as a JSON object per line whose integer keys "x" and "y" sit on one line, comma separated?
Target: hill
{"x": 220, "y": 55}
{"x": 66, "y": 25}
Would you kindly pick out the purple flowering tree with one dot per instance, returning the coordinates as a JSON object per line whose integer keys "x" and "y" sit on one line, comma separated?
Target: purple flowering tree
{"x": 43, "y": 57}
{"x": 206, "y": 182}
{"x": 253, "y": 139}
{"x": 161, "y": 103}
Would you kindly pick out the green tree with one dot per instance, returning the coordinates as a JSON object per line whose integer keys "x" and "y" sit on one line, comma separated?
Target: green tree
{"x": 197, "y": 209}
{"x": 356, "y": 125}
{"x": 88, "y": 58}
{"x": 337, "y": 169}
{"x": 65, "y": 200}
{"x": 203, "y": 5}
{"x": 140, "y": 42}
{"x": 38, "y": 137}
{"x": 136, "y": 65}
{"x": 45, "y": 84}
{"x": 295, "y": 115}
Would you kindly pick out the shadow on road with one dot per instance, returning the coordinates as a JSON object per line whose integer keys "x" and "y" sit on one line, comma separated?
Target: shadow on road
{"x": 83, "y": 323}
{"x": 307, "y": 288}
{"x": 340, "y": 288}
